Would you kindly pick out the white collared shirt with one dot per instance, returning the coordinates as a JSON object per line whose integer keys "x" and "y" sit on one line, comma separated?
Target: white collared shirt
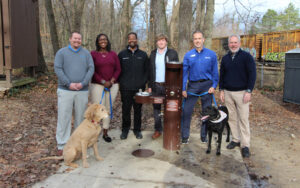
{"x": 160, "y": 66}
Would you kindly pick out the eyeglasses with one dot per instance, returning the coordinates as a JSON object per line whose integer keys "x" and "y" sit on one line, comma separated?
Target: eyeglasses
{"x": 102, "y": 39}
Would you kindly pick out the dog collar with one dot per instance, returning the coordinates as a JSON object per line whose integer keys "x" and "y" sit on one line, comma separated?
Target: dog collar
{"x": 94, "y": 122}
{"x": 220, "y": 118}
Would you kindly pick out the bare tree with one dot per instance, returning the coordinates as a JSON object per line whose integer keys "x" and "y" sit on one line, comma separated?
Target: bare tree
{"x": 112, "y": 18}
{"x": 99, "y": 8}
{"x": 42, "y": 67}
{"x": 52, "y": 25}
{"x": 77, "y": 10}
{"x": 226, "y": 25}
{"x": 185, "y": 20}
{"x": 151, "y": 32}
{"x": 66, "y": 17}
{"x": 160, "y": 19}
{"x": 209, "y": 22}
{"x": 146, "y": 19}
{"x": 125, "y": 22}
{"x": 246, "y": 14}
{"x": 200, "y": 14}
{"x": 174, "y": 24}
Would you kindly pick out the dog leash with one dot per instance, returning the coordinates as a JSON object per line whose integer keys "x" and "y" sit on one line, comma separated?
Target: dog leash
{"x": 110, "y": 101}
{"x": 199, "y": 95}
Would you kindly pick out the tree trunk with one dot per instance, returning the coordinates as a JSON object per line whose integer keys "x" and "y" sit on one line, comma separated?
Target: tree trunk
{"x": 52, "y": 25}
{"x": 125, "y": 22}
{"x": 200, "y": 14}
{"x": 159, "y": 16}
{"x": 99, "y": 16}
{"x": 185, "y": 20}
{"x": 42, "y": 67}
{"x": 174, "y": 25}
{"x": 78, "y": 10}
{"x": 66, "y": 17}
{"x": 147, "y": 25}
{"x": 208, "y": 23}
{"x": 112, "y": 18}
{"x": 151, "y": 26}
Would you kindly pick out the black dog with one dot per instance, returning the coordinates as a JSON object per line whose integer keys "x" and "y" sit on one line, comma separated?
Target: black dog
{"x": 217, "y": 119}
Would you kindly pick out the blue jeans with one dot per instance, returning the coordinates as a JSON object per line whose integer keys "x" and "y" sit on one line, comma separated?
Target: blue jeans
{"x": 206, "y": 100}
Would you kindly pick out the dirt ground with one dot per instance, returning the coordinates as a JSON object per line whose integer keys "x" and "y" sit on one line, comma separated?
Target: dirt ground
{"x": 28, "y": 123}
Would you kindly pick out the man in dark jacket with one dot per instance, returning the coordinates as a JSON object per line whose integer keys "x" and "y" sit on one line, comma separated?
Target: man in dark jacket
{"x": 158, "y": 59}
{"x": 237, "y": 80}
{"x": 134, "y": 74}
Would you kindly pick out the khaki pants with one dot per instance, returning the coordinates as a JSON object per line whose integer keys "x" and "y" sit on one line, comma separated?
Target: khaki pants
{"x": 96, "y": 91}
{"x": 238, "y": 117}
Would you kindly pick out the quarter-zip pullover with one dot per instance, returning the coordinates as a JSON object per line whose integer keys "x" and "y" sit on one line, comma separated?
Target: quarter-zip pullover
{"x": 134, "y": 69}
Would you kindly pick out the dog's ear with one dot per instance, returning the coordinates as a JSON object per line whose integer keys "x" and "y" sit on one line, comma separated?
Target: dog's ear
{"x": 90, "y": 112}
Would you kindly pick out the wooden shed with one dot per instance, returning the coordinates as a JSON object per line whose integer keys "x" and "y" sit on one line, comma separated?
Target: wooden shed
{"x": 18, "y": 39}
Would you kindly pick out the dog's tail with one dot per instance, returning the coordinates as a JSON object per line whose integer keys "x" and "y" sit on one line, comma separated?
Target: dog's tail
{"x": 52, "y": 157}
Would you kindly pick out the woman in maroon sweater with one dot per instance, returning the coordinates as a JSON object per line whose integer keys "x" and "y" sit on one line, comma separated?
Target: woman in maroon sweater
{"x": 104, "y": 88}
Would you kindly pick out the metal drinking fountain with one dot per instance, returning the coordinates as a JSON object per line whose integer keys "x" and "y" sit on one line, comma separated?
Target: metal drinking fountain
{"x": 172, "y": 104}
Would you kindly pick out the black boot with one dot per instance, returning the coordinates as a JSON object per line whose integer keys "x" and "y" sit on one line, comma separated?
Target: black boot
{"x": 105, "y": 136}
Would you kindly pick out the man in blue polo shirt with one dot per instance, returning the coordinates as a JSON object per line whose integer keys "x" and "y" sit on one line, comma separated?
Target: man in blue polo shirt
{"x": 200, "y": 74}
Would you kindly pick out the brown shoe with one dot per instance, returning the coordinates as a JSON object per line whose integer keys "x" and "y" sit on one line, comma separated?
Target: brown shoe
{"x": 59, "y": 152}
{"x": 156, "y": 135}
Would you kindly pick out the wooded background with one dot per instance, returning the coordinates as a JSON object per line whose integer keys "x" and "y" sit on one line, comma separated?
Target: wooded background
{"x": 176, "y": 18}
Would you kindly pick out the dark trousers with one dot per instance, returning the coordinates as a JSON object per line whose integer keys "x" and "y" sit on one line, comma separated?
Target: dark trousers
{"x": 197, "y": 88}
{"x": 127, "y": 98}
{"x": 158, "y": 90}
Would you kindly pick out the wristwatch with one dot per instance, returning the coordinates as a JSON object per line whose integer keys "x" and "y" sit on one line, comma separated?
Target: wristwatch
{"x": 102, "y": 81}
{"x": 248, "y": 91}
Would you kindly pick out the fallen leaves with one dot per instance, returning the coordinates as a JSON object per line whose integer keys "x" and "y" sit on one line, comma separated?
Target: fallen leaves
{"x": 28, "y": 125}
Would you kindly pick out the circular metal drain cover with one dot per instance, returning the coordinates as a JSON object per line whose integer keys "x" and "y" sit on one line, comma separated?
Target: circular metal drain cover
{"x": 144, "y": 153}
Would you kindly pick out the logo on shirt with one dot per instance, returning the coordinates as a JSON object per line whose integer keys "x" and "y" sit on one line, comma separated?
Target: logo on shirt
{"x": 193, "y": 55}
{"x": 207, "y": 57}
{"x": 125, "y": 58}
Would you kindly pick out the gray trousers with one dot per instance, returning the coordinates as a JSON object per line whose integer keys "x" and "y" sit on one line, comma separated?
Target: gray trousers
{"x": 66, "y": 100}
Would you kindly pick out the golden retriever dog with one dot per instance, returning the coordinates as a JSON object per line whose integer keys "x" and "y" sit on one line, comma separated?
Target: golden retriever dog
{"x": 84, "y": 136}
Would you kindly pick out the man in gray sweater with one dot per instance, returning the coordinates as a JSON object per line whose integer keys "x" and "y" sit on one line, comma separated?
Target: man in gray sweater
{"x": 74, "y": 68}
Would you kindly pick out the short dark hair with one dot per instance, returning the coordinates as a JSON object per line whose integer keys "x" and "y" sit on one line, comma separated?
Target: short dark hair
{"x": 132, "y": 33}
{"x": 71, "y": 34}
{"x": 108, "y": 47}
{"x": 197, "y": 31}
